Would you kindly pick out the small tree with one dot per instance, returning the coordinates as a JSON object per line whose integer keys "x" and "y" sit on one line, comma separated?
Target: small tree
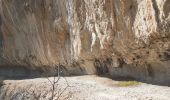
{"x": 54, "y": 83}
{"x": 56, "y": 92}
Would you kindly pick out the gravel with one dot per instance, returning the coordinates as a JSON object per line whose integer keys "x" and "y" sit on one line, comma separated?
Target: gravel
{"x": 89, "y": 87}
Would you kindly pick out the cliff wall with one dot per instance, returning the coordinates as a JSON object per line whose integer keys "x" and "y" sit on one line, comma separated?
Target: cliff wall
{"x": 128, "y": 38}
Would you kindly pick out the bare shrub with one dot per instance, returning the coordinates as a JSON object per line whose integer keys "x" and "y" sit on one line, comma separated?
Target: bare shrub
{"x": 56, "y": 95}
{"x": 52, "y": 90}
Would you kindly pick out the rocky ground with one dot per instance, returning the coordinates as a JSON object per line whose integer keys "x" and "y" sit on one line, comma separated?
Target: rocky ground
{"x": 81, "y": 88}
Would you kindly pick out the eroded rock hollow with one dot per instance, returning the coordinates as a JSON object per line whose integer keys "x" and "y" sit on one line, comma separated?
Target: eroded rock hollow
{"x": 127, "y": 38}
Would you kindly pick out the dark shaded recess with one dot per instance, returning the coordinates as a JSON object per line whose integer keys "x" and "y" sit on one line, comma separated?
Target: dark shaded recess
{"x": 150, "y": 71}
{"x": 27, "y": 72}
{"x": 101, "y": 66}
{"x": 121, "y": 62}
{"x": 1, "y": 36}
{"x": 18, "y": 72}
{"x": 1, "y": 83}
{"x": 24, "y": 72}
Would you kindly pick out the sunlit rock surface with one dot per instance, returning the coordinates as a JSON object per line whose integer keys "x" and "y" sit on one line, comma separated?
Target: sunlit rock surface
{"x": 128, "y": 38}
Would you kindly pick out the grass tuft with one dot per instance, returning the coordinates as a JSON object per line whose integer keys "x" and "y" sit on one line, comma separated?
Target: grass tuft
{"x": 127, "y": 83}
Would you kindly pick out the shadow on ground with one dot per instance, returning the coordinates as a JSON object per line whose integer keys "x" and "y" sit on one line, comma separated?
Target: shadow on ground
{"x": 20, "y": 72}
{"x": 118, "y": 78}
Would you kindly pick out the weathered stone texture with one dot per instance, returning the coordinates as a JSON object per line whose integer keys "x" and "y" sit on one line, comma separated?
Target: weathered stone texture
{"x": 88, "y": 36}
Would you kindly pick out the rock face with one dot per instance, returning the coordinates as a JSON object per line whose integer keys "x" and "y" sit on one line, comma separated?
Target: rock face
{"x": 128, "y": 38}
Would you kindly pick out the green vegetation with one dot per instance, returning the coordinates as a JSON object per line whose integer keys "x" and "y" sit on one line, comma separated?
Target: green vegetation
{"x": 127, "y": 83}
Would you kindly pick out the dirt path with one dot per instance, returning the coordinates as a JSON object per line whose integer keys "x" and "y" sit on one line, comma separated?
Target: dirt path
{"x": 86, "y": 88}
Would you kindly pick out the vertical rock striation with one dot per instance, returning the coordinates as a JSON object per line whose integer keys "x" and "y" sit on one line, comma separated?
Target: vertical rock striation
{"x": 128, "y": 38}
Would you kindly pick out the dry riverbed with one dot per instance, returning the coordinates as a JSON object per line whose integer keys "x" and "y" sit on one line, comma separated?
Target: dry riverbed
{"x": 82, "y": 88}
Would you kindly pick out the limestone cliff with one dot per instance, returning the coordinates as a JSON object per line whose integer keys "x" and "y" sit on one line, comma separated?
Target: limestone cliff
{"x": 121, "y": 37}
